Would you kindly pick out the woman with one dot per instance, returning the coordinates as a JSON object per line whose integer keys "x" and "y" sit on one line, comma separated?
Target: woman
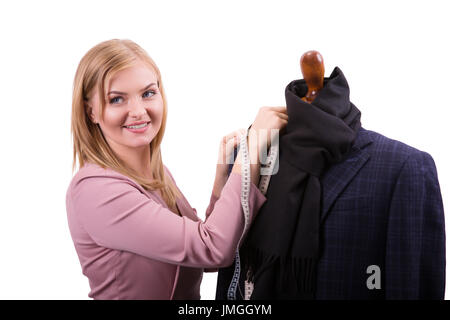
{"x": 134, "y": 232}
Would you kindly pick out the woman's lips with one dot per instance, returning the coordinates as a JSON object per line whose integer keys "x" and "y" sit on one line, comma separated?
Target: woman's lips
{"x": 139, "y": 130}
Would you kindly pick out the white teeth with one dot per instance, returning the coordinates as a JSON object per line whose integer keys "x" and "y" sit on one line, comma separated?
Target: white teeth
{"x": 138, "y": 126}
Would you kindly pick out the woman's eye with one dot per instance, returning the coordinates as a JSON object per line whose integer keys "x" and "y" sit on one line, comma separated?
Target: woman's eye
{"x": 151, "y": 91}
{"x": 113, "y": 100}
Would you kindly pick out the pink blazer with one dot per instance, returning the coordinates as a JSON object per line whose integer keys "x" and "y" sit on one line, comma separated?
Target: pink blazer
{"x": 131, "y": 246}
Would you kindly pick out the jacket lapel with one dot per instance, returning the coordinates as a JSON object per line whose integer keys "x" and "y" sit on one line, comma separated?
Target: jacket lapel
{"x": 338, "y": 176}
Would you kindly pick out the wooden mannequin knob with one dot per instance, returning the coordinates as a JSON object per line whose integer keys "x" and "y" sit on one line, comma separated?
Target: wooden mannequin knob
{"x": 313, "y": 70}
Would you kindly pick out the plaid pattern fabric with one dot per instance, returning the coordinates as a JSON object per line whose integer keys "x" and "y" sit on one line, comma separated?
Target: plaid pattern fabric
{"x": 381, "y": 206}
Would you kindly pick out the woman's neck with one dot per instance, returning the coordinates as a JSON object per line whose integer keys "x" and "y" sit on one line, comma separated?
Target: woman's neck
{"x": 137, "y": 159}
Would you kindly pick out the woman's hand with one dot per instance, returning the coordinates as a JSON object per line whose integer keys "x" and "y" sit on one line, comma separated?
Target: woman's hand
{"x": 267, "y": 119}
{"x": 227, "y": 146}
{"x": 226, "y": 157}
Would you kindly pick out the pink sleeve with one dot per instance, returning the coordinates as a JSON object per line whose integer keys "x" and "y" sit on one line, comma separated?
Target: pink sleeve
{"x": 212, "y": 202}
{"x": 117, "y": 215}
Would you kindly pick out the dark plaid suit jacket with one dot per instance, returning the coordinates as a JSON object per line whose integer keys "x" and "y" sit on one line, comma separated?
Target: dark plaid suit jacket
{"x": 380, "y": 206}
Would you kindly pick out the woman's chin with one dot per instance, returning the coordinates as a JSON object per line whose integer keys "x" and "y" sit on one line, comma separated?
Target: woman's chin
{"x": 139, "y": 143}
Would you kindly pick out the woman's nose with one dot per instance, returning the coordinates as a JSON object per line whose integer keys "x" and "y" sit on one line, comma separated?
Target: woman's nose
{"x": 137, "y": 108}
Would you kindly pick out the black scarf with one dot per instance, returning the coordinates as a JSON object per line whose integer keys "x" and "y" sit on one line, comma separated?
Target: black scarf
{"x": 282, "y": 247}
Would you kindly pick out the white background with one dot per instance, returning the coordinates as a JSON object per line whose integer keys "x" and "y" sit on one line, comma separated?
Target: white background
{"x": 220, "y": 62}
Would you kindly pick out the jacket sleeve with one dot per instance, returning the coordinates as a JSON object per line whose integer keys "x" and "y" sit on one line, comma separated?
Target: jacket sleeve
{"x": 415, "y": 248}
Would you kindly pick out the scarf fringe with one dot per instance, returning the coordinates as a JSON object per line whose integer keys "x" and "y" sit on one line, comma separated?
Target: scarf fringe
{"x": 300, "y": 271}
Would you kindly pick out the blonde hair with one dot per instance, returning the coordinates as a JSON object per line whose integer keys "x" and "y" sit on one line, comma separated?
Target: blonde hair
{"x": 96, "y": 69}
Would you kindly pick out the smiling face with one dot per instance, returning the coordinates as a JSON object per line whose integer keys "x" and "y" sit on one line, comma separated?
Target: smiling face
{"x": 133, "y": 98}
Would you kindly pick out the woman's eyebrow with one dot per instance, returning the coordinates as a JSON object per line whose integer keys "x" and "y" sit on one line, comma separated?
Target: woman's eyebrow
{"x": 124, "y": 93}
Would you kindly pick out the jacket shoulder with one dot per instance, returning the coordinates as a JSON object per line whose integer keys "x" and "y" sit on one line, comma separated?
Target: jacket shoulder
{"x": 393, "y": 150}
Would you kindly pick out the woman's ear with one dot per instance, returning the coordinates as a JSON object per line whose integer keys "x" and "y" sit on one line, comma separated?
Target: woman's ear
{"x": 90, "y": 113}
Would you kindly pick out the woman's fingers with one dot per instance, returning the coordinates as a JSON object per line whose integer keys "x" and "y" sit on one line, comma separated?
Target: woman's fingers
{"x": 228, "y": 144}
{"x": 236, "y": 135}
{"x": 280, "y": 112}
{"x": 268, "y": 118}
{"x": 281, "y": 109}
{"x": 283, "y": 116}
